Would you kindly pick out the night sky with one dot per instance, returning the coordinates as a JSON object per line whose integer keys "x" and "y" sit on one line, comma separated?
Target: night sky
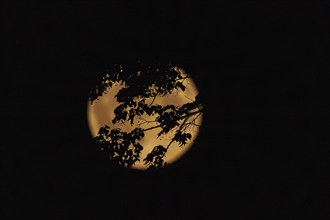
{"x": 263, "y": 73}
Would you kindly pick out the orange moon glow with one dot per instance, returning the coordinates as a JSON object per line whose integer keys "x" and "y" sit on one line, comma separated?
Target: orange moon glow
{"x": 101, "y": 113}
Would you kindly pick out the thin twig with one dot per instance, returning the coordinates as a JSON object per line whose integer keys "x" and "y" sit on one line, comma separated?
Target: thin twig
{"x": 147, "y": 129}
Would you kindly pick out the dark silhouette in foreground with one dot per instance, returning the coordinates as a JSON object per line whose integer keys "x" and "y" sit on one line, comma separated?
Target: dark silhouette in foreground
{"x": 140, "y": 83}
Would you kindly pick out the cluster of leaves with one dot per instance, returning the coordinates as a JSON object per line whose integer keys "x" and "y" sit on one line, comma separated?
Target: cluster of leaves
{"x": 139, "y": 85}
{"x": 101, "y": 87}
{"x": 155, "y": 158}
{"x": 122, "y": 147}
{"x": 181, "y": 137}
{"x": 139, "y": 81}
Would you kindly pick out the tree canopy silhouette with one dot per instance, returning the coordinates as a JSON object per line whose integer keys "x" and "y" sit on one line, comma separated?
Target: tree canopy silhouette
{"x": 141, "y": 85}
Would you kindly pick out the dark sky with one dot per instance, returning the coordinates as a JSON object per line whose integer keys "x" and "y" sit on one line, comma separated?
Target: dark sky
{"x": 263, "y": 73}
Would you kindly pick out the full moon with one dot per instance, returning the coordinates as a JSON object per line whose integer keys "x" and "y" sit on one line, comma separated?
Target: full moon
{"x": 101, "y": 113}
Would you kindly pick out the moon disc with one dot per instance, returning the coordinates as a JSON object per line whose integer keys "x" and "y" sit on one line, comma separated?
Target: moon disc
{"x": 101, "y": 113}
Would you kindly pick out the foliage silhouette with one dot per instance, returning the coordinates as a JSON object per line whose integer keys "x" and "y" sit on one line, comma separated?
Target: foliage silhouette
{"x": 141, "y": 84}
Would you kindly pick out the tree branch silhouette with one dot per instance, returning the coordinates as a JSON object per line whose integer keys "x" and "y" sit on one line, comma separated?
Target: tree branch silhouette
{"x": 139, "y": 85}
